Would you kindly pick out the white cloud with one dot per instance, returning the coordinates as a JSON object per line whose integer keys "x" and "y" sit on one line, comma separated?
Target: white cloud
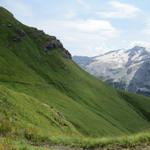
{"x": 146, "y": 30}
{"x": 140, "y": 43}
{"x": 95, "y": 51}
{"x": 95, "y": 26}
{"x": 18, "y": 7}
{"x": 80, "y": 36}
{"x": 83, "y": 4}
{"x": 70, "y": 15}
{"x": 92, "y": 28}
{"x": 120, "y": 10}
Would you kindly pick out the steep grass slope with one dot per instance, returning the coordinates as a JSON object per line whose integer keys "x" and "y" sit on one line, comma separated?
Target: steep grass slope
{"x": 42, "y": 91}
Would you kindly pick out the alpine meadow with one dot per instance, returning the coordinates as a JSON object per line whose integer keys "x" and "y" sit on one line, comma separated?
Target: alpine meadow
{"x": 48, "y": 102}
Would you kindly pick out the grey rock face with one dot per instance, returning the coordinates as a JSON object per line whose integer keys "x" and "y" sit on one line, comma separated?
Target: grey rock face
{"x": 141, "y": 80}
{"x": 53, "y": 44}
{"x": 83, "y": 61}
{"x": 123, "y": 69}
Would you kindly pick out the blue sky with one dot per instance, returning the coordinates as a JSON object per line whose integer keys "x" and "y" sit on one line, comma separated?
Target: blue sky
{"x": 88, "y": 27}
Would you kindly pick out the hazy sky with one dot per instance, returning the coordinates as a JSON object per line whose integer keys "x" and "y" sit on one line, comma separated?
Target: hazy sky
{"x": 88, "y": 27}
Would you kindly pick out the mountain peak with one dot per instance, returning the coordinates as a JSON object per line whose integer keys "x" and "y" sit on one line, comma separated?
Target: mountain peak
{"x": 138, "y": 49}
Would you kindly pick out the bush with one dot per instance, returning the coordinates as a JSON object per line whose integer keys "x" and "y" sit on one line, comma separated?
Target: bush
{"x": 5, "y": 127}
{"x": 6, "y": 144}
{"x": 33, "y": 134}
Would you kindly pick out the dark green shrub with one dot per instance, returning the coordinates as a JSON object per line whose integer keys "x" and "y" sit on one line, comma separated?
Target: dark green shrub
{"x": 33, "y": 134}
{"x": 5, "y": 127}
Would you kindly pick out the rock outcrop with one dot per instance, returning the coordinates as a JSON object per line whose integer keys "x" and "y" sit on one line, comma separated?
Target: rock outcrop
{"x": 53, "y": 43}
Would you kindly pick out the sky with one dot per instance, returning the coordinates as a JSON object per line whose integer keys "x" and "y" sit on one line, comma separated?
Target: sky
{"x": 88, "y": 27}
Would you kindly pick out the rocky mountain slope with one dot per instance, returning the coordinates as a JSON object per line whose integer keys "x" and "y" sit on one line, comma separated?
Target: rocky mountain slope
{"x": 123, "y": 69}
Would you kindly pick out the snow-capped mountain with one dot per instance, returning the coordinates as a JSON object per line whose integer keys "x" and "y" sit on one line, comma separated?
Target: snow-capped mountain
{"x": 123, "y": 69}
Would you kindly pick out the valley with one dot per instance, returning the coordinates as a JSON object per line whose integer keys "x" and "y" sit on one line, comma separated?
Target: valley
{"x": 46, "y": 99}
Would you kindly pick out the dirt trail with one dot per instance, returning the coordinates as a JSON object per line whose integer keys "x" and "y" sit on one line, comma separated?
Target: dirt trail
{"x": 137, "y": 147}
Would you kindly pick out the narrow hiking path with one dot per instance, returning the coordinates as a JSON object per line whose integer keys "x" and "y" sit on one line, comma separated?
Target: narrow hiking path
{"x": 110, "y": 147}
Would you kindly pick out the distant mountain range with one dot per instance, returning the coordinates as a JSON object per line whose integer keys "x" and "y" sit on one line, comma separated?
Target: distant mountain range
{"x": 123, "y": 69}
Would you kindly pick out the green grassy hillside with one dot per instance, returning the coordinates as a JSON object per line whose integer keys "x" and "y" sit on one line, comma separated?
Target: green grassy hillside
{"x": 43, "y": 93}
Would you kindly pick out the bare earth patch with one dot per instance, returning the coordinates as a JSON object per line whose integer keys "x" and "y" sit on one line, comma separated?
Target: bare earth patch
{"x": 136, "y": 147}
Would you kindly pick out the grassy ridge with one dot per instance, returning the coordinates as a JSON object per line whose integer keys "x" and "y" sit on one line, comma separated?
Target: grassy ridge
{"x": 44, "y": 94}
